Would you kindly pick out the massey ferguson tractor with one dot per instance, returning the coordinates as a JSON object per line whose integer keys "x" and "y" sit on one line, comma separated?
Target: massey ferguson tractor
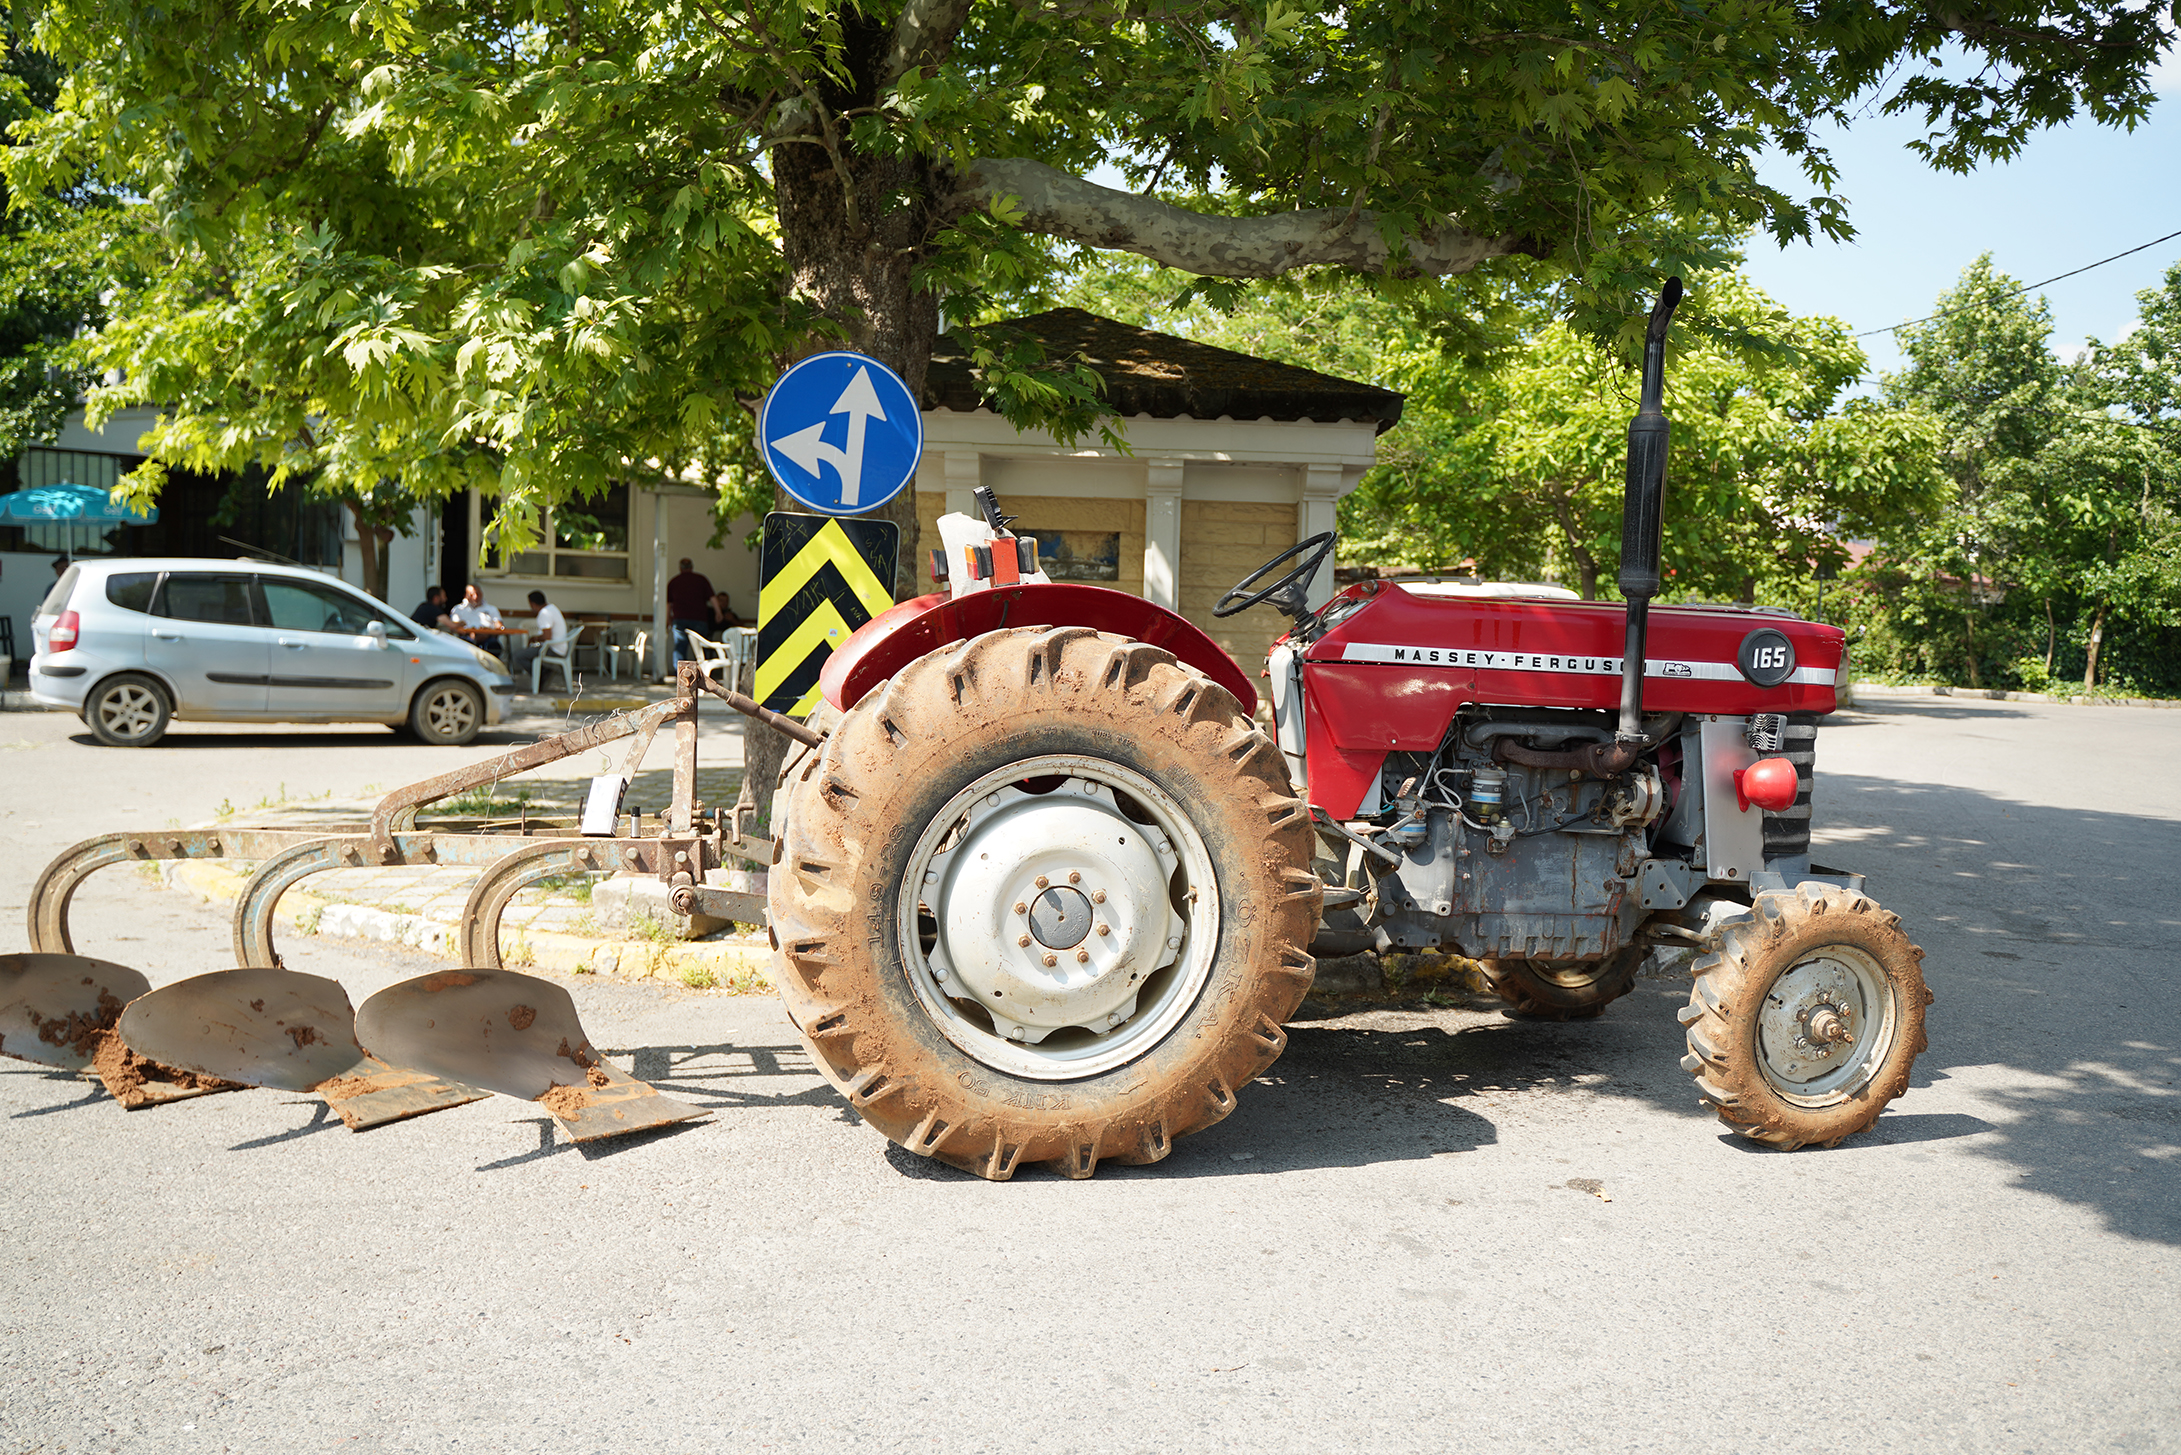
{"x": 1042, "y": 891}
{"x": 1046, "y": 893}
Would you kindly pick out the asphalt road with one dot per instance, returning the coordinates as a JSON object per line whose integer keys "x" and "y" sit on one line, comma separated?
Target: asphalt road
{"x": 1390, "y": 1246}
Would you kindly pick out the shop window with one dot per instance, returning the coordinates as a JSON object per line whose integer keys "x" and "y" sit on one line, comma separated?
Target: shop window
{"x": 583, "y": 540}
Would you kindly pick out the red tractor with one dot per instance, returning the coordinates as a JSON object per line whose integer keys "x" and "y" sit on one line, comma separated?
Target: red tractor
{"x": 1047, "y": 893}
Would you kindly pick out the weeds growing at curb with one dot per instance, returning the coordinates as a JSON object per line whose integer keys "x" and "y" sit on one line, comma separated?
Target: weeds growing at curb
{"x": 306, "y": 923}
{"x": 699, "y": 977}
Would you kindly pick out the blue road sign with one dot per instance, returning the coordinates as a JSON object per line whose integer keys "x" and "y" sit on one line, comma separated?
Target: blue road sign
{"x": 877, "y": 433}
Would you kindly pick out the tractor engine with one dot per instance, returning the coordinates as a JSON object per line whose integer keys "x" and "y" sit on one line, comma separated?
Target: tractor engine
{"x": 1500, "y": 859}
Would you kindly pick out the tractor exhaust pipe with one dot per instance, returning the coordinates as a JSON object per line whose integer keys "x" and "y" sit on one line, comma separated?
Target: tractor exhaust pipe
{"x": 1641, "y": 521}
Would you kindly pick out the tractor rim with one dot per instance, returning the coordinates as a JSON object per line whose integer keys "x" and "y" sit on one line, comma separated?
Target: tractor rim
{"x": 129, "y": 711}
{"x": 1059, "y": 917}
{"x": 1825, "y": 1026}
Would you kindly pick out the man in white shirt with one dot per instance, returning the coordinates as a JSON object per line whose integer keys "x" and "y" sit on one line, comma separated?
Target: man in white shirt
{"x": 552, "y": 634}
{"x": 474, "y": 611}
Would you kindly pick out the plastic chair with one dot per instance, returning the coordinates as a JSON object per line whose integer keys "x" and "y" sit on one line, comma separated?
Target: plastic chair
{"x": 713, "y": 659}
{"x": 565, "y": 662}
{"x": 741, "y": 645}
{"x": 638, "y": 647}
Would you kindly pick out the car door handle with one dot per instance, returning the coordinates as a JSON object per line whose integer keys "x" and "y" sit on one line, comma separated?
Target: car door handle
{"x": 290, "y": 642}
{"x": 168, "y": 636}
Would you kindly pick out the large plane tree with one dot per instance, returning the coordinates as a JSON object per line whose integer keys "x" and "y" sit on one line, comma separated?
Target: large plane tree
{"x": 535, "y": 245}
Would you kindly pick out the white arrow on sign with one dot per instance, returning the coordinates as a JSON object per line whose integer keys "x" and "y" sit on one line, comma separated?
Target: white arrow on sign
{"x": 807, "y": 447}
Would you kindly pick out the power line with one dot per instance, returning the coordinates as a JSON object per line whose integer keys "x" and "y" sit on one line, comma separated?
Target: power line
{"x": 2023, "y": 288}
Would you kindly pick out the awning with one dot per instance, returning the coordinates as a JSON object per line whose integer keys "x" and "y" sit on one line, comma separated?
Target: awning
{"x": 70, "y": 502}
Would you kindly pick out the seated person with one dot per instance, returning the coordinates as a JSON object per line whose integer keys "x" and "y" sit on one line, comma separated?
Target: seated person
{"x": 552, "y": 634}
{"x": 474, "y": 611}
{"x": 432, "y": 615}
{"x": 723, "y": 613}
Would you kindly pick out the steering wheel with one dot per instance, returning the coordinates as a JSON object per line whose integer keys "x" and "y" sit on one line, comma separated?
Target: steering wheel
{"x": 1286, "y": 594}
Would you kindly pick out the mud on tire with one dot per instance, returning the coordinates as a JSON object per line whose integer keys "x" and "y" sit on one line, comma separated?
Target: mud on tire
{"x": 1807, "y": 1019}
{"x": 1056, "y": 727}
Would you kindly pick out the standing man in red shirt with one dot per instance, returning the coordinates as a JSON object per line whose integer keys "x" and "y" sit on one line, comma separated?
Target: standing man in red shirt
{"x": 689, "y": 607}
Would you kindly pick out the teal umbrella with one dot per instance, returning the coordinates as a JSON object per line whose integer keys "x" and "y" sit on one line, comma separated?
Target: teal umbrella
{"x": 70, "y": 502}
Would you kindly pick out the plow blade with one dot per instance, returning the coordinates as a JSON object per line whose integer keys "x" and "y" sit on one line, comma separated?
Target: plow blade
{"x": 519, "y": 1036}
{"x": 61, "y": 1010}
{"x": 53, "y": 1007}
{"x": 285, "y": 1030}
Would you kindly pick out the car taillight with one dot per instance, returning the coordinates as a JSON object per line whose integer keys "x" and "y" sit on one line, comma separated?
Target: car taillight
{"x": 65, "y": 630}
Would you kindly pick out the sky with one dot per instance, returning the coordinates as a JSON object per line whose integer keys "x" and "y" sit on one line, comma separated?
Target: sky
{"x": 2073, "y": 196}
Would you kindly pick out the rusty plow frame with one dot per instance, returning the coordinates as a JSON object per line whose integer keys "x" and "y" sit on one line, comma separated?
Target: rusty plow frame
{"x": 223, "y": 1046}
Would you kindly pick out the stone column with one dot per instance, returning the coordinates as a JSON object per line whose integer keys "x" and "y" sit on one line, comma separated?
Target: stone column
{"x": 1319, "y": 510}
{"x": 1162, "y": 534}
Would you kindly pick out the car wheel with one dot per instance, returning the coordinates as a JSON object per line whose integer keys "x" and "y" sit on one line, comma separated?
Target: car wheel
{"x": 449, "y": 713}
{"x": 127, "y": 711}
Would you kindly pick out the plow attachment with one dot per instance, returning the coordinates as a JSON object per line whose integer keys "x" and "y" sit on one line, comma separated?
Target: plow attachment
{"x": 285, "y": 1030}
{"x": 519, "y": 1036}
{"x": 424, "y": 1045}
{"x": 61, "y": 1010}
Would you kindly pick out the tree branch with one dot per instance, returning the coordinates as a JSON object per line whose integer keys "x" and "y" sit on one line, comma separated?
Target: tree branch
{"x": 1056, "y": 204}
{"x": 922, "y": 36}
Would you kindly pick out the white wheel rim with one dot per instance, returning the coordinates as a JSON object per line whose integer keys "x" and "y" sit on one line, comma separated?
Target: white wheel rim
{"x": 1106, "y": 997}
{"x": 450, "y": 712}
{"x": 129, "y": 711}
{"x": 1839, "y": 990}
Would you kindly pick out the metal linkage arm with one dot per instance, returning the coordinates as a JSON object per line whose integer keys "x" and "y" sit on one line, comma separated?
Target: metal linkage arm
{"x": 787, "y": 727}
{"x": 396, "y": 813}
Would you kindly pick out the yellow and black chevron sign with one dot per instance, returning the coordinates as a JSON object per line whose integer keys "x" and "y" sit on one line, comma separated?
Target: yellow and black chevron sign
{"x": 819, "y": 578}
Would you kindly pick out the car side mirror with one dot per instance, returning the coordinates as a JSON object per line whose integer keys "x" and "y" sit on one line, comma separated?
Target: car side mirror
{"x": 376, "y": 630}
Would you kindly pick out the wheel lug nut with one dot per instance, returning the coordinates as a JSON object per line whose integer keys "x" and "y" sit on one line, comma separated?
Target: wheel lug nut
{"x": 1051, "y": 959}
{"x": 1074, "y": 878}
{"x": 1098, "y": 896}
{"x": 1021, "y": 908}
{"x": 1023, "y": 940}
{"x": 1043, "y": 882}
{"x": 1105, "y": 929}
{"x": 1082, "y": 956}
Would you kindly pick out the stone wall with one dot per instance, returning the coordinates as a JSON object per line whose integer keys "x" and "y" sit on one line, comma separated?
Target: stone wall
{"x": 1221, "y": 542}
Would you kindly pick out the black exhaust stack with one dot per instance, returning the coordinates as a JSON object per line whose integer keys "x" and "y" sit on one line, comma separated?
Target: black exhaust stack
{"x": 1641, "y": 520}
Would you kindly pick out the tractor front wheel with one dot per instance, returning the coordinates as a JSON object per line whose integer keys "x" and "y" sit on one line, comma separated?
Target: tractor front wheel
{"x": 1807, "y": 1018}
{"x": 1044, "y": 897}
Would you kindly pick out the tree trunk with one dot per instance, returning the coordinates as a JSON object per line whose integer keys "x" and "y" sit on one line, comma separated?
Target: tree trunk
{"x": 2097, "y": 639}
{"x": 371, "y": 543}
{"x": 2050, "y": 631}
{"x": 853, "y": 228}
{"x": 1969, "y": 625}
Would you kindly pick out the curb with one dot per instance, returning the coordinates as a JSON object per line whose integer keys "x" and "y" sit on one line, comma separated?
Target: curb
{"x": 740, "y": 967}
{"x": 1994, "y": 694}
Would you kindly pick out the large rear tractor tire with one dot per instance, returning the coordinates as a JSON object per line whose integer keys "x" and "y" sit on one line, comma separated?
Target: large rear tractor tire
{"x": 1807, "y": 1019}
{"x": 1564, "y": 990}
{"x": 1044, "y": 897}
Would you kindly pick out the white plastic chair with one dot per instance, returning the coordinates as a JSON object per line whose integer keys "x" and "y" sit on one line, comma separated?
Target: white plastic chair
{"x": 713, "y": 659}
{"x": 639, "y": 649}
{"x": 566, "y": 663}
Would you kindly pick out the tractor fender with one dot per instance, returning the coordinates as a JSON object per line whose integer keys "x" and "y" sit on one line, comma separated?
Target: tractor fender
{"x": 899, "y": 635}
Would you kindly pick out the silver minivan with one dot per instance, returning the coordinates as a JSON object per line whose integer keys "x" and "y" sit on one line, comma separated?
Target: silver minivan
{"x": 128, "y": 645}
